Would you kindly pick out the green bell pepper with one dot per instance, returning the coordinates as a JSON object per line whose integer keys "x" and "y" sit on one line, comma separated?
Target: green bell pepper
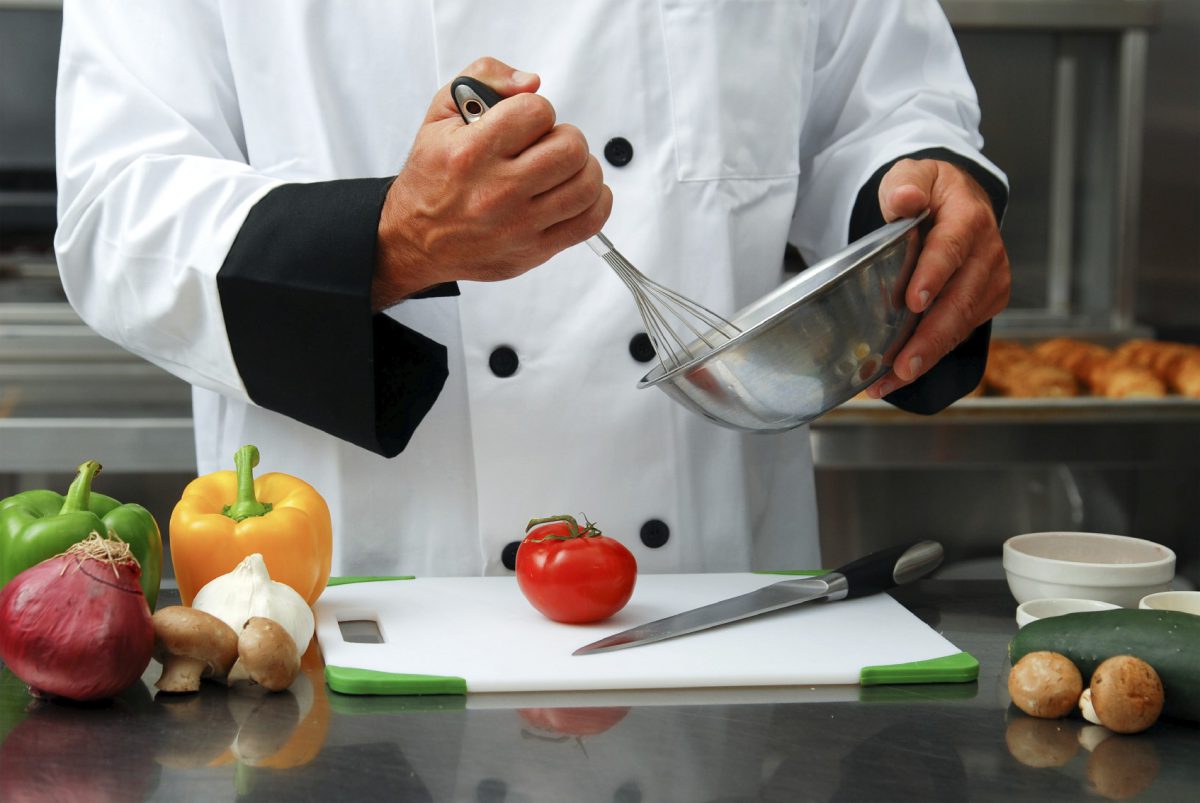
{"x": 36, "y": 525}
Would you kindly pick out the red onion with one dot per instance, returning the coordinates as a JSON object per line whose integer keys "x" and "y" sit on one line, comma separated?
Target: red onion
{"x": 77, "y": 625}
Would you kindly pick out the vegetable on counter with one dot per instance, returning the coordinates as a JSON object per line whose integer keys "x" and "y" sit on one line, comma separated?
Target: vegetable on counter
{"x": 1045, "y": 685}
{"x": 191, "y": 645}
{"x": 225, "y": 516}
{"x": 574, "y": 574}
{"x": 267, "y": 655}
{"x": 78, "y": 625}
{"x": 37, "y": 525}
{"x": 1125, "y": 695}
{"x": 247, "y": 592}
{"x": 1169, "y": 641}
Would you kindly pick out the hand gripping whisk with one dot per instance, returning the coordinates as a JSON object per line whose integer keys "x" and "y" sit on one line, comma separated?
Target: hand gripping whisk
{"x": 660, "y": 306}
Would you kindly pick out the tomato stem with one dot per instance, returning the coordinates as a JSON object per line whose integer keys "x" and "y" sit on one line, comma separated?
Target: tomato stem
{"x": 589, "y": 529}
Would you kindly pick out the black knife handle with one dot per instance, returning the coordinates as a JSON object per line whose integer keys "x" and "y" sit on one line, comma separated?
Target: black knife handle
{"x": 472, "y": 97}
{"x": 890, "y": 567}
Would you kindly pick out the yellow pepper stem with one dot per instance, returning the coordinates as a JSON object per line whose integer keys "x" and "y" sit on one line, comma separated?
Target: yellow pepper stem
{"x": 247, "y": 503}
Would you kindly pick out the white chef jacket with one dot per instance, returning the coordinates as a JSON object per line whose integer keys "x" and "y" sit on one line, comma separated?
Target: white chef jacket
{"x": 751, "y": 123}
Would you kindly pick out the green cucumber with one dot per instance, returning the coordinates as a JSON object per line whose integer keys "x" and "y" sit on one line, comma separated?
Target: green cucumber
{"x": 1167, "y": 640}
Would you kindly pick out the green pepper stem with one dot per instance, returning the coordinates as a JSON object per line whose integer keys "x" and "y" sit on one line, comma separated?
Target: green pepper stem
{"x": 80, "y": 492}
{"x": 247, "y": 503}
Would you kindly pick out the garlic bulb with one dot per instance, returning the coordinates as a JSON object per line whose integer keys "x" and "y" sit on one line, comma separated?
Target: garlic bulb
{"x": 249, "y": 591}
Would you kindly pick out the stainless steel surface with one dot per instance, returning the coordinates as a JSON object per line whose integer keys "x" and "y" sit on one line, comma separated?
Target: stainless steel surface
{"x": 129, "y": 445}
{"x": 811, "y": 344}
{"x": 1061, "y": 86}
{"x": 773, "y": 597}
{"x": 953, "y": 742}
{"x": 1052, "y": 14}
{"x": 988, "y": 432}
{"x": 1131, "y": 113}
{"x": 1064, "y": 135}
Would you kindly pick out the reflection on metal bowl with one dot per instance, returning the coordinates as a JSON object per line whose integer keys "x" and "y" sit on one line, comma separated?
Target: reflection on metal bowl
{"x": 809, "y": 345}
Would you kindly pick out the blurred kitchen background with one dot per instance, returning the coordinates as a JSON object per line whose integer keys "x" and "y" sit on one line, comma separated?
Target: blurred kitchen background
{"x": 1091, "y": 106}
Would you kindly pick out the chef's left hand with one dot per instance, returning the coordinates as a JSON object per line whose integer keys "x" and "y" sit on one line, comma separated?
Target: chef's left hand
{"x": 962, "y": 277}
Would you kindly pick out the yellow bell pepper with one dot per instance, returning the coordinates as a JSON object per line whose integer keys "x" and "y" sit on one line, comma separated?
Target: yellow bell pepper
{"x": 224, "y": 516}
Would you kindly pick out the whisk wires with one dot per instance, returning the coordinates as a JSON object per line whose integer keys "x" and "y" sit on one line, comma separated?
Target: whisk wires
{"x": 661, "y": 307}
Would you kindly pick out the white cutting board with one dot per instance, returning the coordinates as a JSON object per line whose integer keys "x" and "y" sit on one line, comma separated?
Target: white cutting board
{"x": 483, "y": 631}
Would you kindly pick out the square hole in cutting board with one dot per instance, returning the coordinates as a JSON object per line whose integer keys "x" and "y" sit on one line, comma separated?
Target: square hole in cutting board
{"x": 360, "y": 631}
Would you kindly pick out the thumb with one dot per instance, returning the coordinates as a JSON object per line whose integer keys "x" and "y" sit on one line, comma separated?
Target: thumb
{"x": 505, "y": 80}
{"x": 906, "y": 189}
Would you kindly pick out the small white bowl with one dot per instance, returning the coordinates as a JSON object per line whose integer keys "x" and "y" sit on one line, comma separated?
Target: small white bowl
{"x": 1045, "y": 608}
{"x": 1072, "y": 565}
{"x": 1185, "y": 601}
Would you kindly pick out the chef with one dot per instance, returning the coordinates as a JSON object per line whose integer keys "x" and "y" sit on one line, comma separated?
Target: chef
{"x": 278, "y": 203}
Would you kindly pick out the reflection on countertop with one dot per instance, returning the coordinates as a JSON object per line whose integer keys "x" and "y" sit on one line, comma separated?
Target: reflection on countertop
{"x": 951, "y": 742}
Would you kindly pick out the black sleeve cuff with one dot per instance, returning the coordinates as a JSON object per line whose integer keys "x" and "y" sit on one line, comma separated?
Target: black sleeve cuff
{"x": 296, "y": 295}
{"x": 960, "y": 371}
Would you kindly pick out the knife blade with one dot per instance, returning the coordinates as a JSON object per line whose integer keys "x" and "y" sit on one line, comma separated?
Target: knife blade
{"x": 872, "y": 574}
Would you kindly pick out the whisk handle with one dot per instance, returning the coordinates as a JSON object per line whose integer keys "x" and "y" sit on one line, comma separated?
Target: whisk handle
{"x": 472, "y": 97}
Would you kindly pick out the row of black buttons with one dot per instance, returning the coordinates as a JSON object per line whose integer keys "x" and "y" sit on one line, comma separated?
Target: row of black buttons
{"x": 504, "y": 360}
{"x": 654, "y": 534}
{"x": 504, "y": 363}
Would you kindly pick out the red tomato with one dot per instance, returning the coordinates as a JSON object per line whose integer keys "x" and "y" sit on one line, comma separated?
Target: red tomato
{"x": 574, "y": 574}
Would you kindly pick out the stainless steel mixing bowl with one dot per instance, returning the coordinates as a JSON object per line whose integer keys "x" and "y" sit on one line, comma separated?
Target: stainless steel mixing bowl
{"x": 811, "y": 344}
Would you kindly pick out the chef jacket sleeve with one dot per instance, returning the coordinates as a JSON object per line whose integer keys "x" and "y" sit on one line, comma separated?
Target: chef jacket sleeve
{"x": 171, "y": 245}
{"x": 889, "y": 82}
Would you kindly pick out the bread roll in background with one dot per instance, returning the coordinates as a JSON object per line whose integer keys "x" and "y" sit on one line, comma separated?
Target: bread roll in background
{"x": 1139, "y": 368}
{"x": 1063, "y": 367}
{"x": 1015, "y": 371}
{"x": 1177, "y": 365}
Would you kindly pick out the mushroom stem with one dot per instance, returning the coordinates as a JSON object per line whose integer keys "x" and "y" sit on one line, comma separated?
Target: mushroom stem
{"x": 181, "y": 674}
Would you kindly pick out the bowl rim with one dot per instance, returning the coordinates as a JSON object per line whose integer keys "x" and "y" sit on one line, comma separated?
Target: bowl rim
{"x": 1011, "y": 547}
{"x": 865, "y": 247}
{"x": 1027, "y": 609}
{"x": 1073, "y": 603}
{"x": 1178, "y": 593}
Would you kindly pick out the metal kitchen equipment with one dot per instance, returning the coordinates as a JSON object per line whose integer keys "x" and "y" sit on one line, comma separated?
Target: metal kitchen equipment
{"x": 657, "y": 304}
{"x": 872, "y": 574}
{"x": 812, "y": 343}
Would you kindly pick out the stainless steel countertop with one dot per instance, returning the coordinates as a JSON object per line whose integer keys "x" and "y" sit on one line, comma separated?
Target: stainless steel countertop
{"x": 947, "y": 742}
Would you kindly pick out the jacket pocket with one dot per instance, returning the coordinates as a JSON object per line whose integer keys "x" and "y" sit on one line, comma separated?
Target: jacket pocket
{"x": 739, "y": 85}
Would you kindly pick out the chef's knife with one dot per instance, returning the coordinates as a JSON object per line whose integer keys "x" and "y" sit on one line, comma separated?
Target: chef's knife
{"x": 876, "y": 572}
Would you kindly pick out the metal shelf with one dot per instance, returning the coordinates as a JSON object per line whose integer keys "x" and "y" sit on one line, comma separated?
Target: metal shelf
{"x": 1081, "y": 15}
{"x": 988, "y": 433}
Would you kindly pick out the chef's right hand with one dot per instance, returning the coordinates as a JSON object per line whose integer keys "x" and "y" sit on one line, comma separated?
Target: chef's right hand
{"x": 490, "y": 200}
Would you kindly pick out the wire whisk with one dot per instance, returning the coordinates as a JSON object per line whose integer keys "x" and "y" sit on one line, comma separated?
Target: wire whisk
{"x": 658, "y": 304}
